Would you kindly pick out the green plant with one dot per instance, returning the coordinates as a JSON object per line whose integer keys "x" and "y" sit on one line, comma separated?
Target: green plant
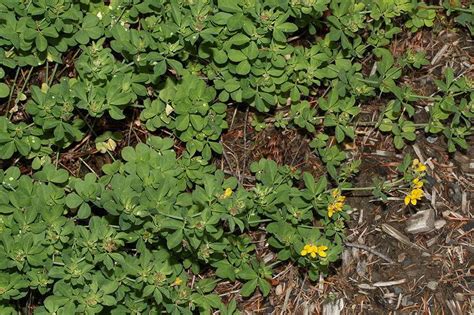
{"x": 160, "y": 226}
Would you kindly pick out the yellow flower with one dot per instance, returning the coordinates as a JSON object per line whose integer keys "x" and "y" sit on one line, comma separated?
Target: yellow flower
{"x": 227, "y": 193}
{"x": 418, "y": 167}
{"x": 177, "y": 282}
{"x": 321, "y": 250}
{"x": 415, "y": 195}
{"x": 417, "y": 183}
{"x": 306, "y": 250}
{"x": 314, "y": 251}
{"x": 337, "y": 204}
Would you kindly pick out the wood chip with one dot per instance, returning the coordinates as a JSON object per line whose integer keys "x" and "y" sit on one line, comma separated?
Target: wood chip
{"x": 370, "y": 250}
{"x": 388, "y": 283}
{"x": 366, "y": 286}
{"x": 333, "y": 308}
{"x": 439, "y": 54}
{"x": 422, "y": 221}
{"x": 464, "y": 202}
{"x": 439, "y": 224}
{"x": 393, "y": 232}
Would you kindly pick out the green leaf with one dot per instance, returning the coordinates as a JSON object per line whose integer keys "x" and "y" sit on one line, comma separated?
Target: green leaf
{"x": 176, "y": 65}
{"x": 7, "y": 150}
{"x": 41, "y": 42}
{"x": 239, "y": 39}
{"x": 73, "y": 200}
{"x": 243, "y": 68}
{"x": 4, "y": 90}
{"x": 216, "y": 147}
{"x": 249, "y": 288}
{"x": 287, "y": 27}
{"x": 251, "y": 51}
{"x": 309, "y": 181}
{"x": 182, "y": 122}
{"x": 174, "y": 239}
{"x": 247, "y": 274}
{"x": 398, "y": 141}
{"x": 59, "y": 176}
{"x": 22, "y": 146}
{"x": 160, "y": 68}
{"x": 339, "y": 134}
{"x": 230, "y": 6}
{"x": 128, "y": 154}
{"x": 197, "y": 122}
{"x": 220, "y": 57}
{"x": 231, "y": 85}
{"x": 84, "y": 211}
{"x": 264, "y": 286}
{"x": 321, "y": 185}
{"x": 226, "y": 271}
{"x": 386, "y": 125}
{"x": 236, "y": 55}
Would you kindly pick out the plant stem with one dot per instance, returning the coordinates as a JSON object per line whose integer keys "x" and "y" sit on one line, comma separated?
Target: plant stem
{"x": 439, "y": 7}
{"x": 13, "y": 88}
{"x": 171, "y": 216}
{"x": 386, "y": 184}
{"x": 17, "y": 99}
{"x": 260, "y": 221}
{"x": 358, "y": 188}
{"x": 52, "y": 75}
{"x": 431, "y": 98}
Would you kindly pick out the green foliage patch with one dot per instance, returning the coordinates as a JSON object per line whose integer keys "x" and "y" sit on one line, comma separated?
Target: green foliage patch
{"x": 157, "y": 230}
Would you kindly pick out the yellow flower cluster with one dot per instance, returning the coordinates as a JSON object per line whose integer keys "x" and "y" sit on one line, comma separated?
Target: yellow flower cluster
{"x": 418, "y": 167}
{"x": 417, "y": 183}
{"x": 337, "y": 204}
{"x": 313, "y": 250}
{"x": 227, "y": 193}
{"x": 177, "y": 282}
{"x": 416, "y": 192}
{"x": 414, "y": 196}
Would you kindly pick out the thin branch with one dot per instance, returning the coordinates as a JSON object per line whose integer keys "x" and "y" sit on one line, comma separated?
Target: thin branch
{"x": 370, "y": 250}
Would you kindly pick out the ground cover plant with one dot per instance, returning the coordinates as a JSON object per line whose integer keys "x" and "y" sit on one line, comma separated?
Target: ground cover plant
{"x": 113, "y": 194}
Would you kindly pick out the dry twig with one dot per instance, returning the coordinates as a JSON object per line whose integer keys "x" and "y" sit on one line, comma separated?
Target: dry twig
{"x": 370, "y": 250}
